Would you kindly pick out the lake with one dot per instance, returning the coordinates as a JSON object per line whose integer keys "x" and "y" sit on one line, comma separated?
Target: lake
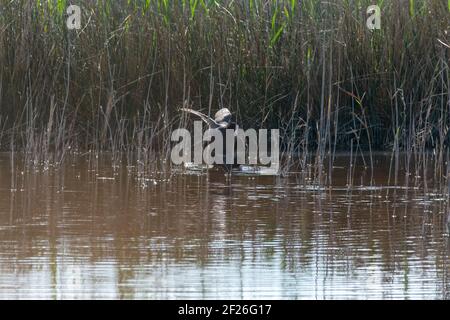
{"x": 95, "y": 231}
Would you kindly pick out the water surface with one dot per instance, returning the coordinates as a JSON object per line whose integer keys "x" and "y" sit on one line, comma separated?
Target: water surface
{"x": 91, "y": 231}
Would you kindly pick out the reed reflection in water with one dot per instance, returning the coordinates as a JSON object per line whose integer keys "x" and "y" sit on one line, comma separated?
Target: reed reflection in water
{"x": 85, "y": 231}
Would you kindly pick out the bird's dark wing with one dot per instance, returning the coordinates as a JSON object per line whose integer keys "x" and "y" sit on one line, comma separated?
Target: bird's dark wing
{"x": 236, "y": 128}
{"x": 212, "y": 124}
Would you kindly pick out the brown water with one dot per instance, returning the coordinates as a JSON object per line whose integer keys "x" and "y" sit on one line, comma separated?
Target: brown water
{"x": 87, "y": 231}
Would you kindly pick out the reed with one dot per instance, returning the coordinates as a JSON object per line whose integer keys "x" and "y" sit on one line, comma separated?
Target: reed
{"x": 309, "y": 67}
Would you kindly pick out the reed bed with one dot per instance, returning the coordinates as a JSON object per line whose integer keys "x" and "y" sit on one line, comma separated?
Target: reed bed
{"x": 311, "y": 68}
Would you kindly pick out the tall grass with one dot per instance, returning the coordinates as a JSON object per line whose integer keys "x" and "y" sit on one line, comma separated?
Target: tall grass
{"x": 310, "y": 68}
